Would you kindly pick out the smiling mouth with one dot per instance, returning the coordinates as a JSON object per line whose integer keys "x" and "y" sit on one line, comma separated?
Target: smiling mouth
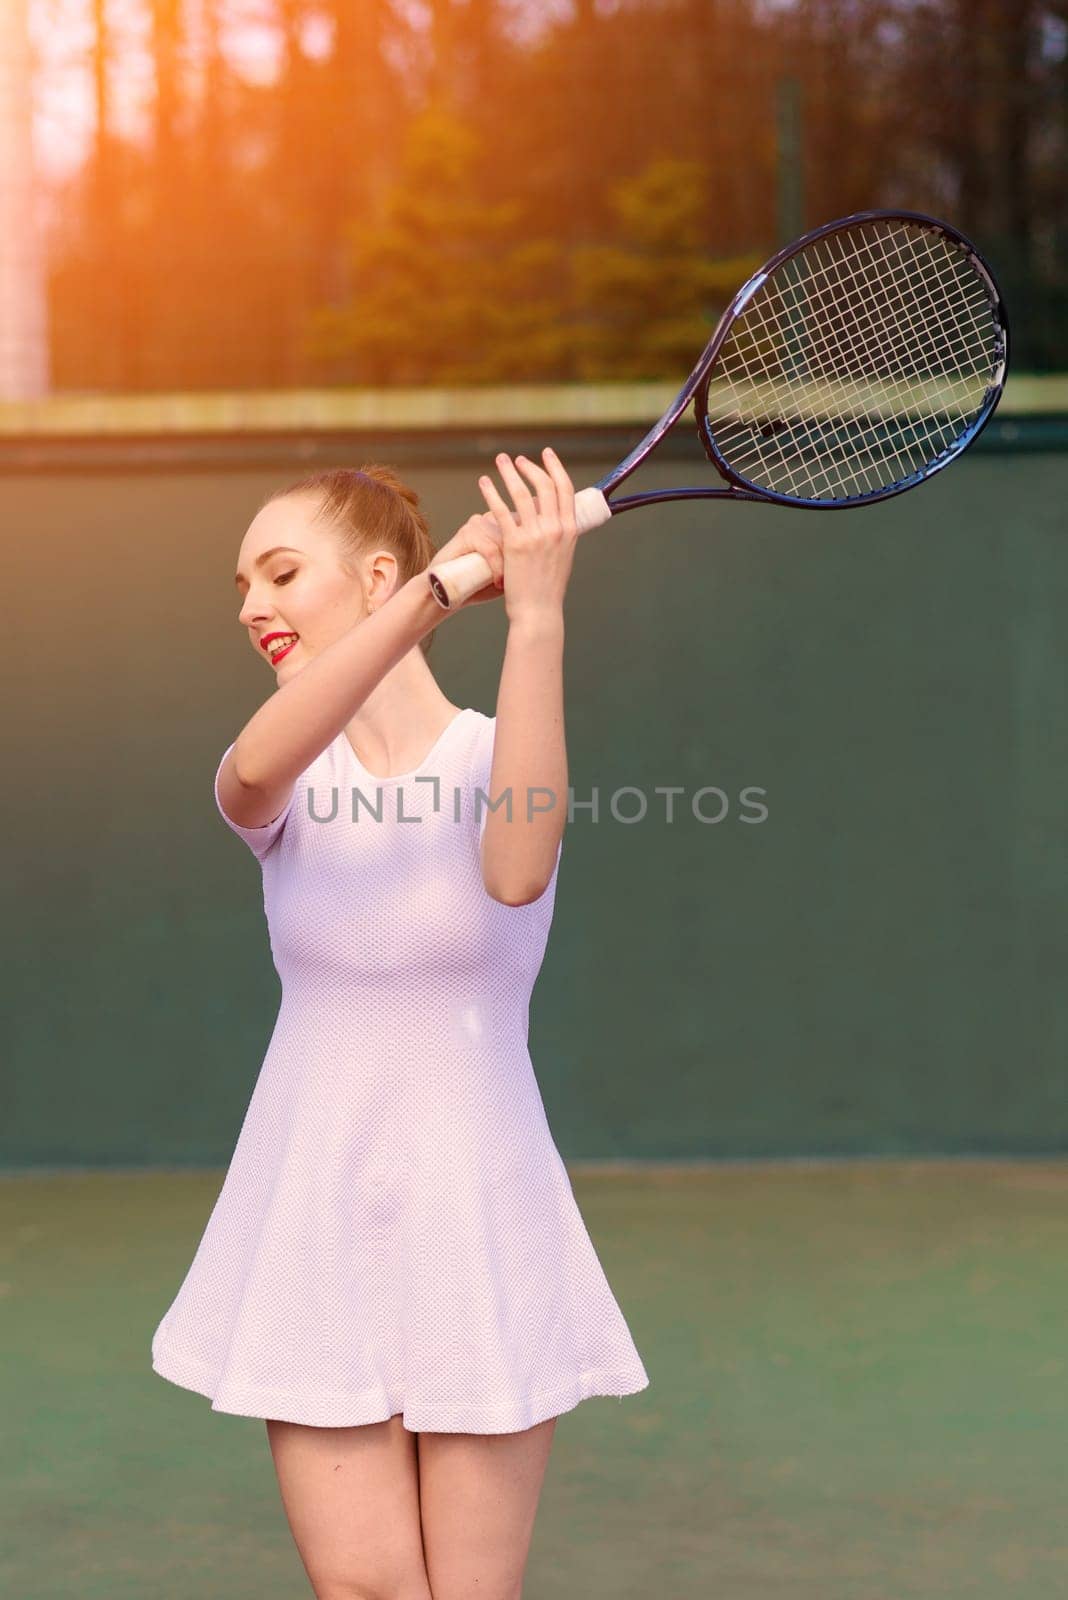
{"x": 281, "y": 647}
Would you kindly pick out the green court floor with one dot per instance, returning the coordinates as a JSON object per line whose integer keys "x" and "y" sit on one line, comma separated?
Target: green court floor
{"x": 858, "y": 1391}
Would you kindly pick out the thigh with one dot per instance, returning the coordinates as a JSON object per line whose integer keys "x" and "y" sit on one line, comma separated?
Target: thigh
{"x": 478, "y": 1495}
{"x": 351, "y": 1496}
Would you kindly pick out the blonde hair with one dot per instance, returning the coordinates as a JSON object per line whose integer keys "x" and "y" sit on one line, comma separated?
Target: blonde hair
{"x": 371, "y": 509}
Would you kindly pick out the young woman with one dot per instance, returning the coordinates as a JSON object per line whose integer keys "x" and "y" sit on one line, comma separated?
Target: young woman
{"x": 396, "y": 1275}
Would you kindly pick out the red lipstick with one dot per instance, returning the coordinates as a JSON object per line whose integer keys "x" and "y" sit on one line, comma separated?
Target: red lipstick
{"x": 266, "y": 642}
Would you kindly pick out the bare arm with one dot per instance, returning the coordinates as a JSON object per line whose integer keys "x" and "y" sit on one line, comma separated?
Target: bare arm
{"x": 306, "y": 714}
{"x": 538, "y": 541}
{"x": 529, "y": 753}
{"x": 303, "y": 716}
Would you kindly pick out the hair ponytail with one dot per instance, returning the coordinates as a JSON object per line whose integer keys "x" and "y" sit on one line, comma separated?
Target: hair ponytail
{"x": 372, "y": 509}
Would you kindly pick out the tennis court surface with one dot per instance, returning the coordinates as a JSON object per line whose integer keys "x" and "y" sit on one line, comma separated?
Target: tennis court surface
{"x": 857, "y": 1392}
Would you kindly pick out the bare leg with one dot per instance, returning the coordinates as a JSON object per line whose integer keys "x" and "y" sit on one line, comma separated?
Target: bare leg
{"x": 351, "y": 1496}
{"x": 479, "y": 1497}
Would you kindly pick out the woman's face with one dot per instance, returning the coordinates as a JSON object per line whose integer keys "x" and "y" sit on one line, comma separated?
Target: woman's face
{"x": 291, "y": 581}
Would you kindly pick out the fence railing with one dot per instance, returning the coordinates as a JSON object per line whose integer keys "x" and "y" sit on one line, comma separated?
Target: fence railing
{"x": 433, "y": 424}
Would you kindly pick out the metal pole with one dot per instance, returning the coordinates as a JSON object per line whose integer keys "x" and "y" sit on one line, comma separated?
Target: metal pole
{"x": 791, "y": 164}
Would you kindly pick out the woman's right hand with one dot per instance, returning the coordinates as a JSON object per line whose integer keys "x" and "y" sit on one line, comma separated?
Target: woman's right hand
{"x": 480, "y": 532}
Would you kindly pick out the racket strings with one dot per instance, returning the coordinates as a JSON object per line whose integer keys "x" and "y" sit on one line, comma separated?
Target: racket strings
{"x": 915, "y": 282}
{"x": 876, "y": 340}
{"x": 855, "y": 350}
{"x": 866, "y": 344}
{"x": 871, "y": 454}
{"x": 855, "y": 365}
{"x": 871, "y": 342}
{"x": 890, "y": 339}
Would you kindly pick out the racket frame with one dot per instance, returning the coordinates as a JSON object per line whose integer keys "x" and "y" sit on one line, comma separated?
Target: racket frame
{"x": 695, "y": 389}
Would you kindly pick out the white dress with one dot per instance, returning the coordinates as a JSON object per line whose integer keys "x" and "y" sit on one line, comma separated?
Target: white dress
{"x": 396, "y": 1231}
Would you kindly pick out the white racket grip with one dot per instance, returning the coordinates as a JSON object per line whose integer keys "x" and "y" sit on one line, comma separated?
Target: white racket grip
{"x": 455, "y": 581}
{"x": 591, "y": 509}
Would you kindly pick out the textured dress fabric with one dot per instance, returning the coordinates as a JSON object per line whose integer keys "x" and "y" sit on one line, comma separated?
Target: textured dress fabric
{"x": 396, "y": 1231}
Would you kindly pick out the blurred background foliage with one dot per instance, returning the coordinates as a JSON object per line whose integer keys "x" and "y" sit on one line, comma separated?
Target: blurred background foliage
{"x": 476, "y": 191}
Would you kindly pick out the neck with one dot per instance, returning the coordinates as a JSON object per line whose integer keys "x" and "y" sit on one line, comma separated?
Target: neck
{"x": 401, "y": 717}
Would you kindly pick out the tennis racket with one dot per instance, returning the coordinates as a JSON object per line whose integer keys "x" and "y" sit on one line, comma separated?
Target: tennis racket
{"x": 859, "y": 361}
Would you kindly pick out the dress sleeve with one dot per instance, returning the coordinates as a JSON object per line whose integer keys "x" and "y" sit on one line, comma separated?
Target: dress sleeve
{"x": 259, "y": 840}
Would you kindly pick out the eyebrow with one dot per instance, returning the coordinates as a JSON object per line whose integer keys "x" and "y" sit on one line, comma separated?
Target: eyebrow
{"x": 266, "y": 556}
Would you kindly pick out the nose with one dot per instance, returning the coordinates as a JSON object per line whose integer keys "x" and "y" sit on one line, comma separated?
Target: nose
{"x": 252, "y": 612}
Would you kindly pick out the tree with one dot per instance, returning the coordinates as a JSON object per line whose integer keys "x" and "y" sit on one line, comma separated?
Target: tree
{"x": 445, "y": 287}
{"x": 646, "y": 302}
{"x": 333, "y": 224}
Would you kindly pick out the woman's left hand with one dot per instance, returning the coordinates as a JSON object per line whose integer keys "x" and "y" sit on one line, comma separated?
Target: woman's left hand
{"x": 538, "y": 538}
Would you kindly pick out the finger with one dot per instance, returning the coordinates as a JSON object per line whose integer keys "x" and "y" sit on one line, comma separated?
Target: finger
{"x": 546, "y": 488}
{"x": 482, "y": 522}
{"x": 490, "y": 550}
{"x": 565, "y": 489}
{"x": 479, "y": 522}
{"x": 485, "y": 525}
{"x": 480, "y": 533}
{"x": 522, "y": 498}
{"x": 488, "y": 524}
{"x": 503, "y": 514}
{"x": 489, "y": 591}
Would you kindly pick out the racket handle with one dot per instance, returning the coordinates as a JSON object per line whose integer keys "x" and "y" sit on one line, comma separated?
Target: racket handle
{"x": 455, "y": 581}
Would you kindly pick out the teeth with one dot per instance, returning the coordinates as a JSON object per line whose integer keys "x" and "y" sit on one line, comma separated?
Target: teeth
{"x": 280, "y": 644}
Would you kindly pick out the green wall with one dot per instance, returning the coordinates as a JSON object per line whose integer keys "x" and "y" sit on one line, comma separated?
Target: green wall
{"x": 877, "y": 967}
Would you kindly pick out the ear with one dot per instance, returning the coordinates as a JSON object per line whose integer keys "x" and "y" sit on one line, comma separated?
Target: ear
{"x": 380, "y": 576}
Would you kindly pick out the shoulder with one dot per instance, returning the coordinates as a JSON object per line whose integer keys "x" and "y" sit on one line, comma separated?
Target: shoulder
{"x": 481, "y": 735}
{"x": 262, "y": 840}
